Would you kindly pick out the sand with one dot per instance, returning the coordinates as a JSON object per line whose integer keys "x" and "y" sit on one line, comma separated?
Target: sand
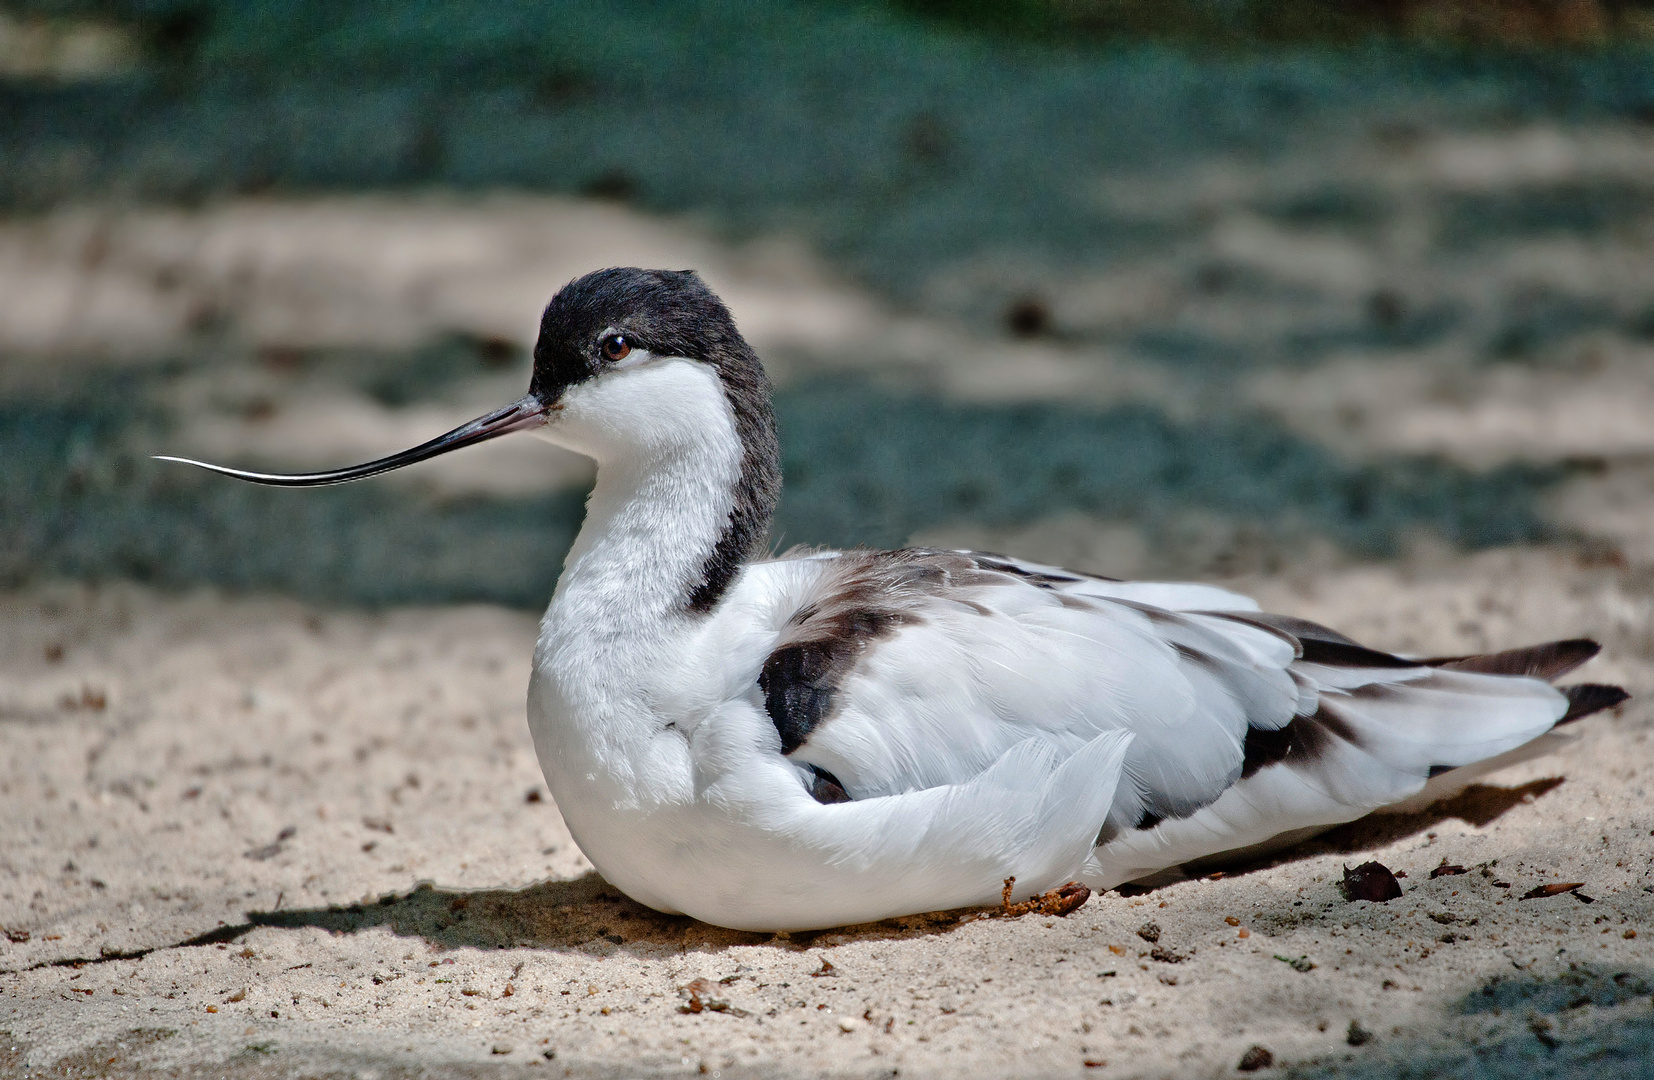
{"x": 246, "y": 837}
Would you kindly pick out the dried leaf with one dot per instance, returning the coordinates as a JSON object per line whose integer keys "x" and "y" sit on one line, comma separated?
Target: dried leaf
{"x": 691, "y": 993}
{"x": 1555, "y": 888}
{"x": 1444, "y": 870}
{"x": 698, "y": 998}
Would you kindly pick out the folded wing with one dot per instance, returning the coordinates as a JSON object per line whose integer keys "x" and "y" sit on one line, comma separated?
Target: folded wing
{"x": 901, "y": 671}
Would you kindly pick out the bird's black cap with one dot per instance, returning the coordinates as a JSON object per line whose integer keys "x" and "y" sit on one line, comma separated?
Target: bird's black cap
{"x": 667, "y": 312}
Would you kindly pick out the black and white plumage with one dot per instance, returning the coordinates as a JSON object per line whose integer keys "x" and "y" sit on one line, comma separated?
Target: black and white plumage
{"x": 835, "y": 736}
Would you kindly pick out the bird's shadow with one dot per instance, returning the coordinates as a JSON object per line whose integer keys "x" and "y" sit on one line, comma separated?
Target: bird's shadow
{"x": 592, "y": 916}
{"x": 586, "y": 914}
{"x": 1477, "y": 804}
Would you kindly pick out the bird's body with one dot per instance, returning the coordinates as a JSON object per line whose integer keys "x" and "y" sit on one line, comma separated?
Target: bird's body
{"x": 836, "y": 736}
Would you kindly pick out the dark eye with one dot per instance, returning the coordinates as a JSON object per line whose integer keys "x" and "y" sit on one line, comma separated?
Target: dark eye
{"x": 616, "y": 347}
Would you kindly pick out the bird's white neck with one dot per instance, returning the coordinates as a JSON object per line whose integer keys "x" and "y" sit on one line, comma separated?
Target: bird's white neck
{"x": 649, "y": 532}
{"x": 616, "y": 659}
{"x": 668, "y": 468}
{"x": 669, "y": 463}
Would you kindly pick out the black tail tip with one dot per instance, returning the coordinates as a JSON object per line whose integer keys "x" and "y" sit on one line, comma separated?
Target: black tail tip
{"x": 1588, "y": 698}
{"x": 1549, "y": 661}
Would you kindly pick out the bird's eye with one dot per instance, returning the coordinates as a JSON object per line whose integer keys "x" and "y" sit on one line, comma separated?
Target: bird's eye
{"x": 616, "y": 347}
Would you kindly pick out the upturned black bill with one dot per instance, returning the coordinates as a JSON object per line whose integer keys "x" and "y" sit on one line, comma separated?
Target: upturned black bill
{"x": 518, "y": 416}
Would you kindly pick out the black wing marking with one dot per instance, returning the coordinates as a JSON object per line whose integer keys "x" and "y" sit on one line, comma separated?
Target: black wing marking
{"x": 865, "y": 596}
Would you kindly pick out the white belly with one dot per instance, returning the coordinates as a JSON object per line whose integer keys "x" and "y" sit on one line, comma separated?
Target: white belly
{"x": 718, "y": 826}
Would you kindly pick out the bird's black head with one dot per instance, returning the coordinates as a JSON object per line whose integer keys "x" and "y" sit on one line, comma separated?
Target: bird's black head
{"x": 609, "y": 319}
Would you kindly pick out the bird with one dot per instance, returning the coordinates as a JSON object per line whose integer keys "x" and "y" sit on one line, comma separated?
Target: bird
{"x": 822, "y": 737}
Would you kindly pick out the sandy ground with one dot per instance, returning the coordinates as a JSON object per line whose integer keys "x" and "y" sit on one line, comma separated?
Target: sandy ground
{"x": 244, "y": 837}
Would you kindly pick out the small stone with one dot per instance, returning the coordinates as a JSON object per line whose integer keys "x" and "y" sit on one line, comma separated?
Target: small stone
{"x": 1371, "y": 881}
{"x": 1149, "y": 932}
{"x": 848, "y": 1023}
{"x": 1064, "y": 901}
{"x": 1358, "y": 1035}
{"x": 1254, "y": 1059}
{"x": 503, "y": 1048}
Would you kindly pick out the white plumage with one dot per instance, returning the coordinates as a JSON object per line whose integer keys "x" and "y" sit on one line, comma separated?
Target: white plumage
{"x": 832, "y": 737}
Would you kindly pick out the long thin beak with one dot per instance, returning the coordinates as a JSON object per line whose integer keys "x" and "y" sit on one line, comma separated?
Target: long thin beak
{"x": 518, "y": 416}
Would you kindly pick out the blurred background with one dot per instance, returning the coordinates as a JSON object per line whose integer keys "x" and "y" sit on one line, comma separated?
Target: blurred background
{"x": 1148, "y": 287}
